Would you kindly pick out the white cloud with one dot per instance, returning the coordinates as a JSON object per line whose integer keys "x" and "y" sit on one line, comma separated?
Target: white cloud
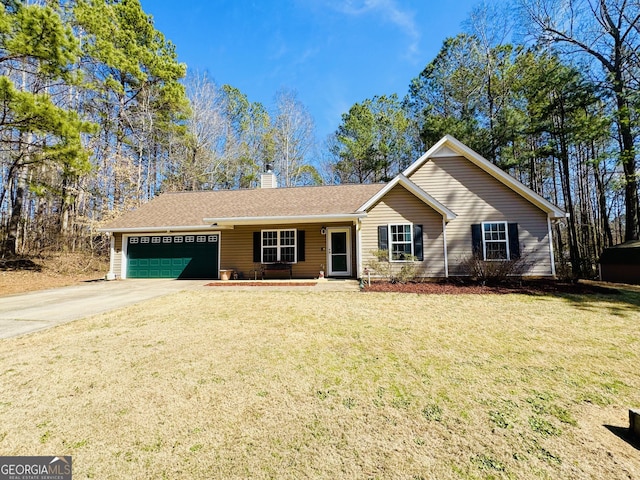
{"x": 388, "y": 10}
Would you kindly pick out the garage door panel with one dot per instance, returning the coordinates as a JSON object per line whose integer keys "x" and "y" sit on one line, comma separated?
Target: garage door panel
{"x": 173, "y": 257}
{"x": 195, "y": 268}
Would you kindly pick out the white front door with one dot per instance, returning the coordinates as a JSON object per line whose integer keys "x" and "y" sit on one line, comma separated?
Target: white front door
{"x": 339, "y": 252}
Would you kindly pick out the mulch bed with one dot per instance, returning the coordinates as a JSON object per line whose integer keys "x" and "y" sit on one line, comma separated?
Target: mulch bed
{"x": 538, "y": 287}
{"x": 261, "y": 284}
{"x": 459, "y": 288}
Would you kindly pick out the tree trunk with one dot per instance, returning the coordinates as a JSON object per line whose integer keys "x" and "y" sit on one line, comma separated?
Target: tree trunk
{"x": 574, "y": 252}
{"x": 602, "y": 202}
{"x": 65, "y": 209}
{"x": 628, "y": 159}
{"x": 17, "y": 202}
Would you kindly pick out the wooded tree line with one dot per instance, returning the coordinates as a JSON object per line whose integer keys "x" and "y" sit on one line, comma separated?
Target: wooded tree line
{"x": 558, "y": 110}
{"x": 98, "y": 116}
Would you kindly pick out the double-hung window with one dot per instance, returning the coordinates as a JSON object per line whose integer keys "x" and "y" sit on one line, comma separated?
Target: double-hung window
{"x": 402, "y": 241}
{"x": 278, "y": 246}
{"x": 495, "y": 239}
{"x": 401, "y": 237}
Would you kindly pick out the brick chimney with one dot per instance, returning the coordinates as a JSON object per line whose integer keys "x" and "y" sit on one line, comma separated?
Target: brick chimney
{"x": 268, "y": 179}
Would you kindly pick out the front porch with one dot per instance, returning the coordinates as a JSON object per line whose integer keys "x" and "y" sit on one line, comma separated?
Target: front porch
{"x": 288, "y": 251}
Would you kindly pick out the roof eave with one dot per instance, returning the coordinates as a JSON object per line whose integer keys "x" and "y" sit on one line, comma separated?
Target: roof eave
{"x": 285, "y": 219}
{"x": 160, "y": 229}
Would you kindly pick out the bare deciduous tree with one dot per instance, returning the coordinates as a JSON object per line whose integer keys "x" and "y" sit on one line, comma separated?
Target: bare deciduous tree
{"x": 608, "y": 33}
{"x": 294, "y": 140}
{"x": 206, "y": 128}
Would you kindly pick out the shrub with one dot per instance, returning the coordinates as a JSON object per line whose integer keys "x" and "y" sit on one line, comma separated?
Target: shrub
{"x": 495, "y": 271}
{"x": 399, "y": 272}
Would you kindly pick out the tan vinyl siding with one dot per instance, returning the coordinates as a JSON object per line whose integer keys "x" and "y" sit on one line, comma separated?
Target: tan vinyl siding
{"x": 402, "y": 207}
{"x": 236, "y": 249}
{"x": 476, "y": 197}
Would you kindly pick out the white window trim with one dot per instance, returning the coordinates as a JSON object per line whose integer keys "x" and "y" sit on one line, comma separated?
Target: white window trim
{"x": 506, "y": 241}
{"x": 391, "y": 242}
{"x": 279, "y": 245}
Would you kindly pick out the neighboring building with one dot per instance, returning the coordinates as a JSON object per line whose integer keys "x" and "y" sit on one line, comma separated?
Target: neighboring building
{"x": 621, "y": 263}
{"x": 449, "y": 203}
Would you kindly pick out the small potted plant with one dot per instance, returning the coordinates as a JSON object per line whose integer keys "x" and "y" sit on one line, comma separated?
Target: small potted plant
{"x": 321, "y": 274}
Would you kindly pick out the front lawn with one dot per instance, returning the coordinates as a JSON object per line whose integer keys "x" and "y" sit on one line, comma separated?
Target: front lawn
{"x": 298, "y": 384}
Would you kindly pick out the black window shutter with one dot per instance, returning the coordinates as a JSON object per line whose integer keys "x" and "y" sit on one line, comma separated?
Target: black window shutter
{"x": 383, "y": 237}
{"x": 300, "y": 241}
{"x": 417, "y": 242}
{"x": 476, "y": 239}
{"x": 257, "y": 247}
{"x": 514, "y": 241}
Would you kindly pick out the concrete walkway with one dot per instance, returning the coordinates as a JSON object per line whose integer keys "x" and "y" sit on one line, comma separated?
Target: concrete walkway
{"x": 33, "y": 311}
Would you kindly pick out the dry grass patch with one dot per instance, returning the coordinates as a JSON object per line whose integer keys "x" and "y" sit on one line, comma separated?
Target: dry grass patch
{"x": 26, "y": 274}
{"x": 264, "y": 384}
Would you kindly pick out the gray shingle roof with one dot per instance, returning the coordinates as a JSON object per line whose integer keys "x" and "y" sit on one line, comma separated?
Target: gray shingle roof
{"x": 189, "y": 209}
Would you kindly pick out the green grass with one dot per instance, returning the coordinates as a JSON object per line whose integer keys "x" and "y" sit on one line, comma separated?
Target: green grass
{"x": 269, "y": 384}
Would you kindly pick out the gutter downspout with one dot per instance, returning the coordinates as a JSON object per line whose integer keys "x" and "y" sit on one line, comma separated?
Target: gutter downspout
{"x": 359, "y": 248}
{"x": 553, "y": 262}
{"x": 444, "y": 241}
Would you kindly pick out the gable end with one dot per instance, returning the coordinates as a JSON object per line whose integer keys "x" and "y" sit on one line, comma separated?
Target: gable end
{"x": 448, "y": 146}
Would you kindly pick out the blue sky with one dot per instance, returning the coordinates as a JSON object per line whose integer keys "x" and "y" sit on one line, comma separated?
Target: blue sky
{"x": 333, "y": 53}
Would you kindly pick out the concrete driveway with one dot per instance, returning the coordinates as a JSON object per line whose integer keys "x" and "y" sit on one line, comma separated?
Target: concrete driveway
{"x": 20, "y": 314}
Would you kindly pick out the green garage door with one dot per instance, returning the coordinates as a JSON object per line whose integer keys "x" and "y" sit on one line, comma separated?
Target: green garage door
{"x": 173, "y": 256}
